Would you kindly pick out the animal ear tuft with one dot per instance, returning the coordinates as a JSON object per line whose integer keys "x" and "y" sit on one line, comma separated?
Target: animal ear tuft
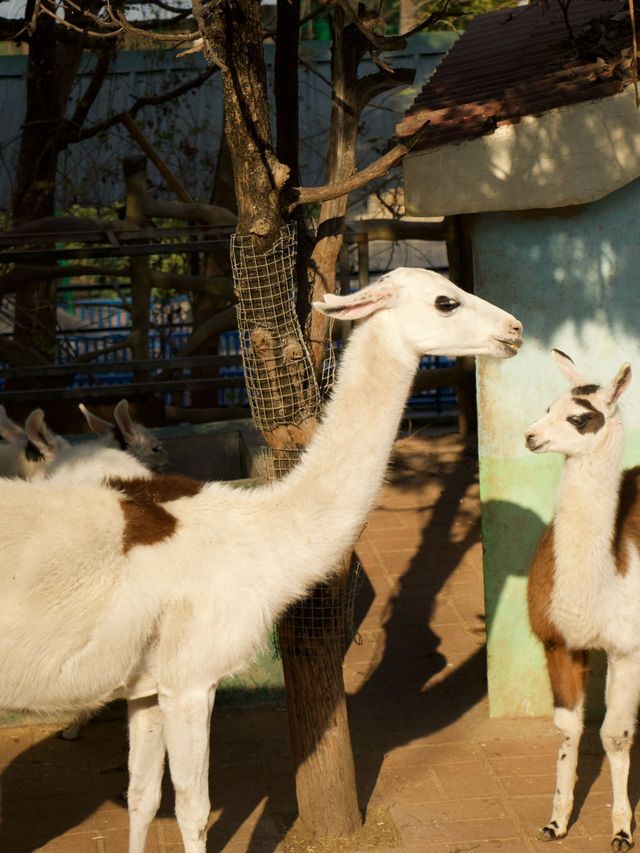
{"x": 96, "y": 424}
{"x": 127, "y": 426}
{"x": 619, "y": 384}
{"x": 39, "y": 433}
{"x": 355, "y": 306}
{"x": 566, "y": 365}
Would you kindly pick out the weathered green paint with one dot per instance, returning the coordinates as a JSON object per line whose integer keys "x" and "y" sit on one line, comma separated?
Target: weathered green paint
{"x": 573, "y": 277}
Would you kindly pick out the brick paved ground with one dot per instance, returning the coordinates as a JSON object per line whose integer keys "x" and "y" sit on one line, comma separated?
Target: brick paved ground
{"x": 437, "y": 774}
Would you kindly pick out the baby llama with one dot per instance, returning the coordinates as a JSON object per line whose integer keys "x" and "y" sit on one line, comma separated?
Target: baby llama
{"x": 156, "y": 589}
{"x": 584, "y": 584}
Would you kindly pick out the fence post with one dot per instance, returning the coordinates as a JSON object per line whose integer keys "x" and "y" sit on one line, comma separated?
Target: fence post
{"x": 136, "y": 190}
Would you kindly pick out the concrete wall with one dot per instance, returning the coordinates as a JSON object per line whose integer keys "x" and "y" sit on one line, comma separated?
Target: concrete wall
{"x": 573, "y": 277}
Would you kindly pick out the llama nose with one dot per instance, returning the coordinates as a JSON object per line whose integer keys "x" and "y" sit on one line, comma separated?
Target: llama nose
{"x": 530, "y": 440}
{"x": 516, "y": 328}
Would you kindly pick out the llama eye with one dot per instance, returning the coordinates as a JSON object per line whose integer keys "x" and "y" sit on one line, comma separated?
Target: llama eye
{"x": 445, "y": 304}
{"x": 578, "y": 420}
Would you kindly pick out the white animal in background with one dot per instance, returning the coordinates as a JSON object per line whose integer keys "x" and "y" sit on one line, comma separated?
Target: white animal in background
{"x": 156, "y": 589}
{"x": 129, "y": 435}
{"x": 19, "y": 457}
{"x": 95, "y": 461}
{"x": 584, "y": 584}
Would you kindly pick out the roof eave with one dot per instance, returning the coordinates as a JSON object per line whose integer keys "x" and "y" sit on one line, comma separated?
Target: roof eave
{"x": 566, "y": 156}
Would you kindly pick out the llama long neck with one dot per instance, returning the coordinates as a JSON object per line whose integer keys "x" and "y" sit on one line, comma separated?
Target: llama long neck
{"x": 338, "y": 479}
{"x": 587, "y": 505}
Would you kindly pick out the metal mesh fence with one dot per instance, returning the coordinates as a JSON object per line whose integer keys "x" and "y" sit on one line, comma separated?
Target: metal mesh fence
{"x": 282, "y": 389}
{"x": 281, "y": 384}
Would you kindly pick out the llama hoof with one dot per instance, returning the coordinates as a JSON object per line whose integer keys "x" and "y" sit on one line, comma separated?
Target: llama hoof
{"x": 621, "y": 842}
{"x": 72, "y": 733}
{"x": 550, "y": 833}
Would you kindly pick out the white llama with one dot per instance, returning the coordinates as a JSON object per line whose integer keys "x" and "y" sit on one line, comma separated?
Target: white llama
{"x": 94, "y": 461}
{"x": 154, "y": 590}
{"x": 584, "y": 584}
{"x": 19, "y": 457}
{"x": 128, "y": 435}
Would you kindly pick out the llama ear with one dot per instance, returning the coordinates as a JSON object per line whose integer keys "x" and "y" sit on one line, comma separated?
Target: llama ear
{"x": 619, "y": 384}
{"x": 567, "y": 366}
{"x": 9, "y": 430}
{"x": 41, "y": 437}
{"x": 96, "y": 424}
{"x": 354, "y": 306}
{"x": 123, "y": 419}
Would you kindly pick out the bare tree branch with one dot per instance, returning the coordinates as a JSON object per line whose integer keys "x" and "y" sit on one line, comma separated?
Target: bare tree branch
{"x": 42, "y": 9}
{"x": 105, "y": 58}
{"x": 11, "y": 29}
{"x": 374, "y": 84}
{"x": 76, "y": 134}
{"x": 118, "y": 18}
{"x": 312, "y": 195}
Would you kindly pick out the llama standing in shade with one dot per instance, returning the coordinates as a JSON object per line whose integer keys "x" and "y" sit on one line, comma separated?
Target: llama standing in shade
{"x": 584, "y": 584}
{"x": 156, "y": 589}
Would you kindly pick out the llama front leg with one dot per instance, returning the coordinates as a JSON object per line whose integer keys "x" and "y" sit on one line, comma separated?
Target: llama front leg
{"x": 623, "y": 694}
{"x": 146, "y": 766}
{"x": 567, "y": 671}
{"x": 187, "y": 725}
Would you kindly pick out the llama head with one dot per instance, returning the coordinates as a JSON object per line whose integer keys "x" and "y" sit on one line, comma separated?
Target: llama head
{"x": 433, "y": 316}
{"x": 580, "y": 420}
{"x": 128, "y": 435}
{"x": 140, "y": 441}
{"x": 43, "y": 443}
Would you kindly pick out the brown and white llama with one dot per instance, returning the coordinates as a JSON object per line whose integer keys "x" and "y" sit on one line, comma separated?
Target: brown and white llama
{"x": 584, "y": 584}
{"x": 156, "y": 589}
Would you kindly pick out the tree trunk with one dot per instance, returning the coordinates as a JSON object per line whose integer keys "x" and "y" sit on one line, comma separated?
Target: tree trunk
{"x": 34, "y": 191}
{"x": 325, "y": 779}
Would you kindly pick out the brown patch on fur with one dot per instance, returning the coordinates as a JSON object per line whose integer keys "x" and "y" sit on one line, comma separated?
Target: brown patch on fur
{"x": 567, "y": 669}
{"x": 146, "y": 521}
{"x": 145, "y": 524}
{"x": 568, "y": 675}
{"x": 628, "y": 519}
{"x": 595, "y": 420}
{"x": 158, "y": 489}
{"x": 539, "y": 590}
{"x": 581, "y": 390}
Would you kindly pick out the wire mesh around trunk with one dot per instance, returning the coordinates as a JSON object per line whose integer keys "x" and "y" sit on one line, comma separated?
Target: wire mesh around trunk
{"x": 282, "y": 390}
{"x": 281, "y": 385}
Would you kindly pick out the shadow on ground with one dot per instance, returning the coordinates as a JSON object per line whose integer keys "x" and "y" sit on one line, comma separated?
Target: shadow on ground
{"x": 411, "y": 692}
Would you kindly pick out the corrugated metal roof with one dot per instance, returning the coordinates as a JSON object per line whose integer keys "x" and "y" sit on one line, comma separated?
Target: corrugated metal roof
{"x": 521, "y": 61}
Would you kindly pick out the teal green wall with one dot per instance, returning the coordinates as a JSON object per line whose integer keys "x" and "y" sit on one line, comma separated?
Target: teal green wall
{"x": 573, "y": 278}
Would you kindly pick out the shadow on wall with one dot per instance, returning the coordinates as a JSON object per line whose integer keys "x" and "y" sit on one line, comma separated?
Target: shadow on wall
{"x": 569, "y": 270}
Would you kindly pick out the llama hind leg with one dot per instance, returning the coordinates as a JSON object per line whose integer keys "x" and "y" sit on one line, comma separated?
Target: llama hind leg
{"x": 567, "y": 671}
{"x": 623, "y": 695}
{"x": 187, "y": 725}
{"x": 146, "y": 766}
